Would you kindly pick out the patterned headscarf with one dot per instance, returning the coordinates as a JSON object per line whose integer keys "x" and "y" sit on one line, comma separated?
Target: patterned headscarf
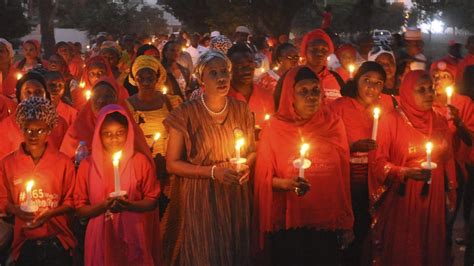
{"x": 207, "y": 57}
{"x": 36, "y": 108}
{"x": 148, "y": 61}
{"x": 220, "y": 43}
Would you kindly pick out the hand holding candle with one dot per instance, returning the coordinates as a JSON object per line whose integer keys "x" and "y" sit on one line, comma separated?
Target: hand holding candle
{"x": 376, "y": 123}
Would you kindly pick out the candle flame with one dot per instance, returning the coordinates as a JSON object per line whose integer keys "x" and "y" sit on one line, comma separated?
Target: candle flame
{"x": 239, "y": 143}
{"x": 429, "y": 147}
{"x": 19, "y": 76}
{"x": 157, "y": 136}
{"x": 164, "y": 90}
{"x": 82, "y": 84}
{"x": 376, "y": 112}
{"x": 267, "y": 117}
{"x": 449, "y": 91}
{"x": 351, "y": 68}
{"x": 88, "y": 47}
{"x": 328, "y": 58}
{"x": 29, "y": 185}
{"x": 88, "y": 94}
{"x": 304, "y": 149}
{"x": 276, "y": 68}
{"x": 116, "y": 158}
{"x": 183, "y": 49}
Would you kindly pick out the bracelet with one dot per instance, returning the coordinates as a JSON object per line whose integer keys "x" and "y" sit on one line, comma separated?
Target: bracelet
{"x": 212, "y": 172}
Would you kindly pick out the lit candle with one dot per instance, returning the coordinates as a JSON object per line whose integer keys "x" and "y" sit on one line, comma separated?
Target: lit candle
{"x": 19, "y": 76}
{"x": 88, "y": 47}
{"x": 351, "y": 71}
{"x": 88, "y": 94}
{"x": 82, "y": 84}
{"x": 267, "y": 117}
{"x": 164, "y": 90}
{"x": 301, "y": 59}
{"x": 115, "y": 162}
{"x": 303, "y": 150}
{"x": 156, "y": 137}
{"x": 429, "y": 149}
{"x": 238, "y": 145}
{"x": 29, "y": 186}
{"x": 275, "y": 68}
{"x": 449, "y": 93}
{"x": 376, "y": 123}
{"x": 183, "y": 49}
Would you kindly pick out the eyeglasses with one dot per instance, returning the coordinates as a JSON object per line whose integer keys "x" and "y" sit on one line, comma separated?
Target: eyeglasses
{"x": 35, "y": 132}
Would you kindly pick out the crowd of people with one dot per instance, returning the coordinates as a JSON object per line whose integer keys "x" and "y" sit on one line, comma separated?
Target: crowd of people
{"x": 240, "y": 150}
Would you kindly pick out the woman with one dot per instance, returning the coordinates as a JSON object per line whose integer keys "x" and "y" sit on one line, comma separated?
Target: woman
{"x": 31, "y": 53}
{"x": 384, "y": 57}
{"x": 110, "y": 50}
{"x": 362, "y": 95}
{"x": 96, "y": 68}
{"x": 43, "y": 237}
{"x": 56, "y": 87}
{"x": 179, "y": 77}
{"x": 129, "y": 82}
{"x": 285, "y": 58}
{"x": 299, "y": 219}
{"x": 75, "y": 63}
{"x": 8, "y": 75}
{"x": 208, "y": 218}
{"x": 400, "y": 189}
{"x": 122, "y": 230}
{"x": 347, "y": 56}
{"x": 57, "y": 63}
{"x": 31, "y": 84}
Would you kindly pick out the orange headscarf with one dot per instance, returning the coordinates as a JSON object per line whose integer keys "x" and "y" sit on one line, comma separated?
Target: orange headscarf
{"x": 317, "y": 34}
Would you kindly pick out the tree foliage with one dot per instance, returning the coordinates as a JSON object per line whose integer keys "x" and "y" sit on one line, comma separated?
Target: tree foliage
{"x": 13, "y": 23}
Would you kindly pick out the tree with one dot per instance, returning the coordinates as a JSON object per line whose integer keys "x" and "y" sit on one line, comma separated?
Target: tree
{"x": 47, "y": 11}
{"x": 13, "y": 23}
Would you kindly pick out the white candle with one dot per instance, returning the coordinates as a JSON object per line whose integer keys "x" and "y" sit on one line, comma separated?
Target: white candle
{"x": 351, "y": 71}
{"x": 429, "y": 149}
{"x": 238, "y": 145}
{"x": 376, "y": 123}
{"x": 29, "y": 186}
{"x": 449, "y": 93}
{"x": 303, "y": 150}
{"x": 88, "y": 94}
{"x": 115, "y": 162}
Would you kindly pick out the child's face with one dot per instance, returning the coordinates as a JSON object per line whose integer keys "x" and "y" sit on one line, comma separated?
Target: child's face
{"x": 113, "y": 136}
{"x": 35, "y": 133}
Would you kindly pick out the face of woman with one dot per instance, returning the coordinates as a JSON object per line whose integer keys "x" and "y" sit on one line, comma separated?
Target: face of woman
{"x": 65, "y": 53}
{"x": 102, "y": 96}
{"x": 56, "y": 89}
{"x": 4, "y": 55}
{"x": 243, "y": 67}
{"x": 369, "y": 87}
{"x": 113, "y": 136}
{"x": 32, "y": 88}
{"x": 55, "y": 64}
{"x": 289, "y": 58}
{"x": 317, "y": 53}
{"x": 216, "y": 77}
{"x": 424, "y": 94}
{"x": 307, "y": 95}
{"x": 388, "y": 64}
{"x": 441, "y": 80}
{"x": 96, "y": 72}
{"x": 173, "y": 52}
{"x": 30, "y": 52}
{"x": 146, "y": 79}
{"x": 35, "y": 134}
{"x": 111, "y": 57}
{"x": 347, "y": 58}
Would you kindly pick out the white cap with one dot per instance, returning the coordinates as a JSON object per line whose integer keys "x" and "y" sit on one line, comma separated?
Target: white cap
{"x": 242, "y": 29}
{"x": 215, "y": 34}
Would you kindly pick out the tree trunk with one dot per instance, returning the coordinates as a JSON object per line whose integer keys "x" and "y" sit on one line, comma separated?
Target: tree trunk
{"x": 47, "y": 11}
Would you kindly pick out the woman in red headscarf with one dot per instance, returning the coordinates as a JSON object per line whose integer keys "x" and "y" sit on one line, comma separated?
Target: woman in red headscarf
{"x": 347, "y": 56}
{"x": 104, "y": 92}
{"x": 122, "y": 230}
{"x": 315, "y": 49}
{"x": 362, "y": 95}
{"x": 298, "y": 219}
{"x": 31, "y": 53}
{"x": 8, "y": 77}
{"x": 409, "y": 203}
{"x": 459, "y": 111}
{"x": 96, "y": 68}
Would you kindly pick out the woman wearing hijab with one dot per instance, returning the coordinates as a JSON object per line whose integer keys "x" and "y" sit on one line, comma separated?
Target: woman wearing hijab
{"x": 409, "y": 202}
{"x": 129, "y": 82}
{"x": 43, "y": 237}
{"x": 122, "y": 230}
{"x": 8, "y": 75}
{"x": 31, "y": 84}
{"x": 56, "y": 86}
{"x": 207, "y": 221}
{"x": 361, "y": 95}
{"x": 302, "y": 220}
{"x": 31, "y": 53}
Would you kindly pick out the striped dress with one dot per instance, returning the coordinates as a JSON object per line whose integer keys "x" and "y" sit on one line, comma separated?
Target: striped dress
{"x": 207, "y": 222}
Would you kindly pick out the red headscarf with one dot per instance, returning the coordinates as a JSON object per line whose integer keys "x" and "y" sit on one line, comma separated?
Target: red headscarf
{"x": 317, "y": 34}
{"x": 91, "y": 62}
{"x": 35, "y": 43}
{"x": 421, "y": 120}
{"x": 345, "y": 47}
{"x": 444, "y": 65}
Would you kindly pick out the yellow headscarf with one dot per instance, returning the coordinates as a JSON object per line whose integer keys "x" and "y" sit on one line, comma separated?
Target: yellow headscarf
{"x": 148, "y": 61}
